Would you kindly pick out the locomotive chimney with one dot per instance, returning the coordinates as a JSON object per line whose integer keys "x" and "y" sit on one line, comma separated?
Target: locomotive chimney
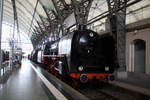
{"x": 81, "y": 27}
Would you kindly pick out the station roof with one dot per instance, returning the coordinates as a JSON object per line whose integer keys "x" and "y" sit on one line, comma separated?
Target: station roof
{"x": 25, "y": 11}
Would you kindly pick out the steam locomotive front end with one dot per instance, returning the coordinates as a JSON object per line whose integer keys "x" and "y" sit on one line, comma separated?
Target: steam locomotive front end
{"x": 92, "y": 55}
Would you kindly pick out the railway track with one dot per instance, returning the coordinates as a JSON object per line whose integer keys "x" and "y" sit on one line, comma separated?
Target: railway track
{"x": 105, "y": 91}
{"x": 110, "y": 92}
{"x": 94, "y": 92}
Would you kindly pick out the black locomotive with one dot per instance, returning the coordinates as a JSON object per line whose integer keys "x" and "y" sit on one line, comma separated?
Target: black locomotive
{"x": 34, "y": 55}
{"x": 82, "y": 55}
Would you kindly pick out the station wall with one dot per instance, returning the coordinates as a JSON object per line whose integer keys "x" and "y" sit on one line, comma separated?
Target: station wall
{"x": 131, "y": 37}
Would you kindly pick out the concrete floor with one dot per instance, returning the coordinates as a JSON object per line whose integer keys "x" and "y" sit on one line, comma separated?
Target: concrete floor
{"x": 23, "y": 84}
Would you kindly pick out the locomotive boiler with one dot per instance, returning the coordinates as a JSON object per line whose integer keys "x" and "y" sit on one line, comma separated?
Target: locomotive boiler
{"x": 82, "y": 55}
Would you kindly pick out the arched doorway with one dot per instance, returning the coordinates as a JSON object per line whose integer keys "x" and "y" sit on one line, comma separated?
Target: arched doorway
{"x": 139, "y": 55}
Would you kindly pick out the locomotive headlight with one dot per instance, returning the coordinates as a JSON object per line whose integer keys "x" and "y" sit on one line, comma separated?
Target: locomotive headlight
{"x": 88, "y": 51}
{"x": 106, "y": 68}
{"x": 60, "y": 62}
{"x": 80, "y": 68}
{"x": 91, "y": 34}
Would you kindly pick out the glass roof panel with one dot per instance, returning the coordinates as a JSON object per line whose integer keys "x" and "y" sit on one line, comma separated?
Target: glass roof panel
{"x": 25, "y": 9}
{"x": 135, "y": 12}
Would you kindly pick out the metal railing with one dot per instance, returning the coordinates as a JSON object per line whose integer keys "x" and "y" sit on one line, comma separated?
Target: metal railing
{"x": 7, "y": 68}
{"x": 4, "y": 68}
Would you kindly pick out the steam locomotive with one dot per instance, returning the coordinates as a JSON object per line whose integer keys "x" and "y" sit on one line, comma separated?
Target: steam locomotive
{"x": 82, "y": 55}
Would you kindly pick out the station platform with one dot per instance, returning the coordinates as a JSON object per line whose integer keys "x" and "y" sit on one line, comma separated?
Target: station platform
{"x": 138, "y": 82}
{"x": 30, "y": 82}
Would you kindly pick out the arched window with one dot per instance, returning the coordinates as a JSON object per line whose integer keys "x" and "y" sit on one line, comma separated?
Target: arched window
{"x": 139, "y": 55}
